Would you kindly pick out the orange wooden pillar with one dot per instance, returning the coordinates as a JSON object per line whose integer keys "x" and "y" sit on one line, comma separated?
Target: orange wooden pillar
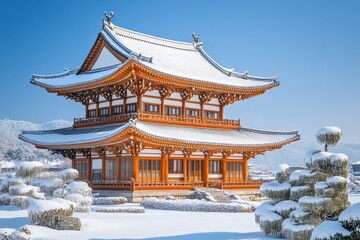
{"x": 183, "y": 112}
{"x": 223, "y": 167}
{"x": 118, "y": 167}
{"x": 185, "y": 168}
{"x": 166, "y": 166}
{"x": 73, "y": 163}
{"x": 163, "y": 166}
{"x": 103, "y": 167}
{"x": 90, "y": 169}
{"x": 206, "y": 170}
{"x": 87, "y": 110}
{"x": 162, "y": 107}
{"x": 136, "y": 167}
{"x": 245, "y": 169}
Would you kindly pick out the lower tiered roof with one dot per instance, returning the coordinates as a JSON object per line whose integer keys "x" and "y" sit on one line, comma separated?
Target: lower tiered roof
{"x": 158, "y": 135}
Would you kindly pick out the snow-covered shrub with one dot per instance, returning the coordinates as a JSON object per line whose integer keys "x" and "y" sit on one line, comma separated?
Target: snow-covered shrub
{"x": 294, "y": 231}
{"x": 321, "y": 162}
{"x": 59, "y": 193}
{"x": 270, "y": 223}
{"x": 265, "y": 206}
{"x": 329, "y": 230}
{"x": 82, "y": 204}
{"x": 49, "y": 185}
{"x": 280, "y": 173}
{"x": 69, "y": 175}
{"x": 350, "y": 218}
{"x": 316, "y": 205}
{"x": 308, "y": 157}
{"x": 109, "y": 200}
{"x": 311, "y": 177}
{"x": 47, "y": 212}
{"x": 328, "y": 136}
{"x": 340, "y": 164}
{"x": 193, "y": 205}
{"x": 337, "y": 183}
{"x": 300, "y": 191}
{"x": 252, "y": 204}
{"x": 169, "y": 197}
{"x": 21, "y": 201}
{"x": 200, "y": 195}
{"x": 80, "y": 188}
{"x": 284, "y": 208}
{"x": 121, "y": 209}
{"x": 13, "y": 234}
{"x": 29, "y": 170}
{"x": 275, "y": 190}
{"x": 68, "y": 223}
{"x": 302, "y": 217}
{"x": 5, "y": 199}
{"x": 4, "y": 186}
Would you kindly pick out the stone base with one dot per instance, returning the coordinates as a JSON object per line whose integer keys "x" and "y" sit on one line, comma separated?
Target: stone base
{"x": 138, "y": 196}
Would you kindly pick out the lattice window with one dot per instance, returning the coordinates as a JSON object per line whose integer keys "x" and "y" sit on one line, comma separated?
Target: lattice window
{"x": 192, "y": 112}
{"x": 172, "y": 111}
{"x": 152, "y": 108}
{"x": 175, "y": 166}
{"x": 104, "y": 112}
{"x": 149, "y": 170}
{"x": 110, "y": 169}
{"x": 211, "y": 114}
{"x": 215, "y": 167}
{"x": 130, "y": 108}
{"x": 82, "y": 167}
{"x": 117, "y": 110}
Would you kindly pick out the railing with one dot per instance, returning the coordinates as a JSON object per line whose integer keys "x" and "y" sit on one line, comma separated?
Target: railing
{"x": 150, "y": 117}
{"x": 149, "y": 185}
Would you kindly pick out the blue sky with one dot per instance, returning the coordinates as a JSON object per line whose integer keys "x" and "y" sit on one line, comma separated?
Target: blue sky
{"x": 312, "y": 46}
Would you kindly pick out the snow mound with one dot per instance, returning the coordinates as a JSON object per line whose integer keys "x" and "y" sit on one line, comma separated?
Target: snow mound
{"x": 350, "y": 217}
{"x": 308, "y": 157}
{"x": 39, "y": 206}
{"x": 329, "y": 230}
{"x": 280, "y": 168}
{"x": 284, "y": 208}
{"x": 194, "y": 205}
{"x": 109, "y": 200}
{"x": 120, "y": 209}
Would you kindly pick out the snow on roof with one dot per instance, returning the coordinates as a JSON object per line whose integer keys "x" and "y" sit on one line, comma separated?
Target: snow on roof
{"x": 178, "y": 59}
{"x": 191, "y": 135}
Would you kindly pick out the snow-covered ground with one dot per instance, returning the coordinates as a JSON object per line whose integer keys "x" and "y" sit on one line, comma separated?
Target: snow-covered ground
{"x": 153, "y": 224}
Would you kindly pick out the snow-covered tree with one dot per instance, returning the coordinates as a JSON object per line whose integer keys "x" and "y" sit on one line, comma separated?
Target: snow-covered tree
{"x": 329, "y": 136}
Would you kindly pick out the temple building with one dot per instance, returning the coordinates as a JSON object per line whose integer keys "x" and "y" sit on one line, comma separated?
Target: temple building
{"x": 154, "y": 116}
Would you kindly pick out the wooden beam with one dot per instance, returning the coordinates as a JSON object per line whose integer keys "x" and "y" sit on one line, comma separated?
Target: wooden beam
{"x": 90, "y": 169}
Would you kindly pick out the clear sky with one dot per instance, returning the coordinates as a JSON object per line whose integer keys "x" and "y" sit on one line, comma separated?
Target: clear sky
{"x": 312, "y": 46}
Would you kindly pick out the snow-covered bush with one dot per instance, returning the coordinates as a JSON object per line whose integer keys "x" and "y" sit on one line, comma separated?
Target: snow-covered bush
{"x": 26, "y": 190}
{"x": 328, "y": 136}
{"x": 300, "y": 191}
{"x": 270, "y": 223}
{"x": 48, "y": 213}
{"x": 4, "y": 186}
{"x": 121, "y": 209}
{"x": 80, "y": 188}
{"x": 321, "y": 162}
{"x": 291, "y": 230}
{"x": 21, "y": 201}
{"x": 48, "y": 186}
{"x": 109, "y": 200}
{"x": 200, "y": 195}
{"x": 280, "y": 173}
{"x": 68, "y": 223}
{"x": 13, "y": 234}
{"x": 29, "y": 170}
{"x": 265, "y": 206}
{"x": 275, "y": 190}
{"x": 316, "y": 205}
{"x": 284, "y": 208}
{"x": 5, "y": 199}
{"x": 193, "y": 205}
{"x": 308, "y": 158}
{"x": 329, "y": 230}
{"x": 59, "y": 193}
{"x": 82, "y": 204}
{"x": 69, "y": 175}
{"x": 340, "y": 164}
{"x": 350, "y": 218}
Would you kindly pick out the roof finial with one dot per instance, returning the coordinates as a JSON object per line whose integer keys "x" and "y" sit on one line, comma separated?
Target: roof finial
{"x": 109, "y": 17}
{"x": 196, "y": 38}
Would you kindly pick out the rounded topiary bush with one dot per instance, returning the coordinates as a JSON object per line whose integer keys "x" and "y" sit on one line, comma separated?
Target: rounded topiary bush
{"x": 350, "y": 218}
{"x": 275, "y": 190}
{"x": 69, "y": 175}
{"x": 280, "y": 173}
{"x": 330, "y": 230}
{"x": 29, "y": 170}
{"x": 300, "y": 191}
{"x": 329, "y": 136}
{"x": 48, "y": 186}
{"x": 316, "y": 205}
{"x": 46, "y": 212}
{"x": 265, "y": 206}
{"x": 270, "y": 223}
{"x": 340, "y": 164}
{"x": 284, "y": 208}
{"x": 292, "y": 230}
{"x": 321, "y": 162}
{"x": 308, "y": 158}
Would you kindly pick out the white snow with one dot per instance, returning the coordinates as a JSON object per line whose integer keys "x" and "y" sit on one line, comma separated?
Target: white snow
{"x": 320, "y": 185}
{"x": 313, "y": 199}
{"x": 269, "y": 216}
{"x": 321, "y": 156}
{"x": 155, "y": 224}
{"x": 286, "y": 205}
{"x": 328, "y": 130}
{"x": 336, "y": 179}
{"x": 280, "y": 168}
{"x": 30, "y": 165}
{"x": 299, "y": 188}
{"x": 298, "y": 213}
{"x": 351, "y": 213}
{"x": 328, "y": 229}
{"x": 308, "y": 155}
{"x": 275, "y": 186}
{"x": 38, "y": 206}
{"x": 335, "y": 157}
{"x": 290, "y": 225}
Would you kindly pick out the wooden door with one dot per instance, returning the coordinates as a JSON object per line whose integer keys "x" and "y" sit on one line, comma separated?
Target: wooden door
{"x": 195, "y": 170}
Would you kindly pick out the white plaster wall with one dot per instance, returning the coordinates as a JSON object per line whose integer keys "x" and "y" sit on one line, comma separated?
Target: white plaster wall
{"x": 176, "y": 95}
{"x": 211, "y": 108}
{"x": 192, "y": 105}
{"x": 131, "y": 100}
{"x": 96, "y": 164}
{"x": 92, "y": 106}
{"x": 105, "y": 59}
{"x": 117, "y": 102}
{"x": 104, "y": 104}
{"x": 151, "y": 100}
{"x": 172, "y": 103}
{"x": 152, "y": 93}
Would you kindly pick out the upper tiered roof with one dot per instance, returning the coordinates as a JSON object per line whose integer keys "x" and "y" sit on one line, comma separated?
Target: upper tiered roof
{"x": 168, "y": 61}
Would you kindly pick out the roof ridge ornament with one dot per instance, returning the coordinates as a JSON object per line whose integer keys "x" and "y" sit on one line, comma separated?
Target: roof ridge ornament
{"x": 109, "y": 17}
{"x": 196, "y": 42}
